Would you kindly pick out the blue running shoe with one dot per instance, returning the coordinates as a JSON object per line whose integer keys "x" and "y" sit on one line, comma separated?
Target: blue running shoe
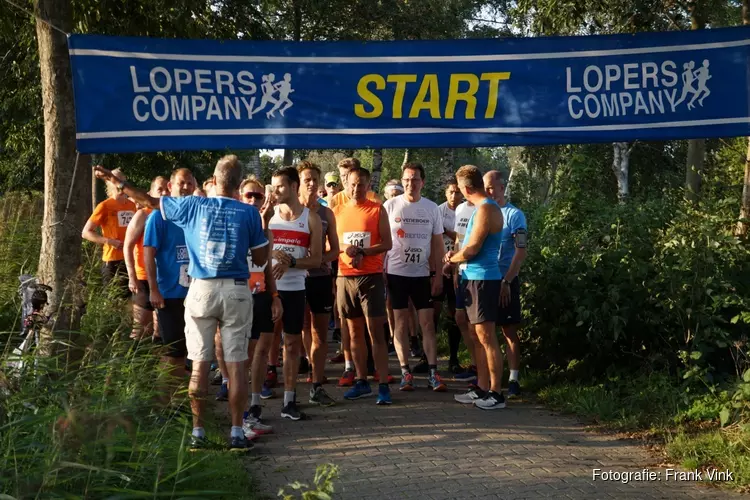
{"x": 384, "y": 395}
{"x": 266, "y": 392}
{"x": 514, "y": 389}
{"x": 468, "y": 376}
{"x": 360, "y": 390}
{"x": 223, "y": 394}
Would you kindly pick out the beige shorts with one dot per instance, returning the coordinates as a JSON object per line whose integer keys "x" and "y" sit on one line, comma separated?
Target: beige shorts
{"x": 223, "y": 303}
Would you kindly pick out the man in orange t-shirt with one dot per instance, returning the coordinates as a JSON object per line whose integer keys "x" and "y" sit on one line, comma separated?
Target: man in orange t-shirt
{"x": 112, "y": 216}
{"x": 143, "y": 311}
{"x": 364, "y": 237}
{"x": 343, "y": 196}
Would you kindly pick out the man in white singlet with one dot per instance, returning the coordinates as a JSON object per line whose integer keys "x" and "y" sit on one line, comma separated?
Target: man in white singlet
{"x": 296, "y": 248}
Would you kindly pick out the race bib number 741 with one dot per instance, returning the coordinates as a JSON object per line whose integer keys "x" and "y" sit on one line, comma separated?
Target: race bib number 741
{"x": 359, "y": 239}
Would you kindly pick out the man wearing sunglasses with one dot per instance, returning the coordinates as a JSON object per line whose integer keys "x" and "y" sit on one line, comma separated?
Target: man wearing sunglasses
{"x": 332, "y": 185}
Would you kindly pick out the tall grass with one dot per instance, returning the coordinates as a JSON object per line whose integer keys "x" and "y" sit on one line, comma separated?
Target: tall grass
{"x": 93, "y": 429}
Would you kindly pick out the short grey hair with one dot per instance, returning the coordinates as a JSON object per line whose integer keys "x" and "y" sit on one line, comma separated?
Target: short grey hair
{"x": 228, "y": 173}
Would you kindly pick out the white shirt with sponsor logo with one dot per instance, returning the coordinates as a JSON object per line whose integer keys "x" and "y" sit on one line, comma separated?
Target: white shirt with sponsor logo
{"x": 412, "y": 227}
{"x": 449, "y": 223}
{"x": 463, "y": 213}
{"x": 292, "y": 237}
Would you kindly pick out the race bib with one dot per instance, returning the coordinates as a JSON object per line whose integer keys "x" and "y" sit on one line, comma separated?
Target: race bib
{"x": 123, "y": 218}
{"x": 184, "y": 277}
{"x": 414, "y": 256}
{"x": 359, "y": 239}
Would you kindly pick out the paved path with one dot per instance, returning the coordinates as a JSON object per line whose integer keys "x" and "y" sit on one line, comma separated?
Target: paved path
{"x": 427, "y": 446}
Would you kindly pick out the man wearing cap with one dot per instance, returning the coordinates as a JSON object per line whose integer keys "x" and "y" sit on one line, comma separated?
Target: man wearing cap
{"x": 332, "y": 185}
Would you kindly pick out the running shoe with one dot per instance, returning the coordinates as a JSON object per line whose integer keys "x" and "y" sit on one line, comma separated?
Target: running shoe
{"x": 321, "y": 398}
{"x": 456, "y": 368}
{"x": 271, "y": 378}
{"x": 514, "y": 389}
{"x": 198, "y": 443}
{"x": 240, "y": 444}
{"x": 435, "y": 383}
{"x": 407, "y": 382}
{"x": 384, "y": 395}
{"x": 391, "y": 379}
{"x": 266, "y": 392}
{"x": 217, "y": 378}
{"x": 291, "y": 411}
{"x": 223, "y": 394}
{"x": 470, "y": 396}
{"x": 255, "y": 412}
{"x": 347, "y": 379}
{"x": 360, "y": 390}
{"x": 467, "y": 376}
{"x": 493, "y": 401}
{"x": 252, "y": 427}
{"x": 422, "y": 367}
{"x": 338, "y": 358}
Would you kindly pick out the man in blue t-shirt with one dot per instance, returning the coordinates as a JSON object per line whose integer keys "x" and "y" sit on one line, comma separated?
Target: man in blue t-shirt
{"x": 165, "y": 259}
{"x": 219, "y": 233}
{"x": 511, "y": 256}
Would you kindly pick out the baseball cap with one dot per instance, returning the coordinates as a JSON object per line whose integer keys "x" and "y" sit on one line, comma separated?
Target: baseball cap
{"x": 331, "y": 177}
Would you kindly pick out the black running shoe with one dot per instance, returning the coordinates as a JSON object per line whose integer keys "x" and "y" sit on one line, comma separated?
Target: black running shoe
{"x": 514, "y": 389}
{"x": 422, "y": 367}
{"x": 198, "y": 443}
{"x": 291, "y": 412}
{"x": 493, "y": 401}
{"x": 240, "y": 444}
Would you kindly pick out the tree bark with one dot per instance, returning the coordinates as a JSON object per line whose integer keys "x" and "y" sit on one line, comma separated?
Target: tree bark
{"x": 549, "y": 182}
{"x": 288, "y": 157}
{"x": 377, "y": 169}
{"x": 621, "y": 168}
{"x": 255, "y": 164}
{"x": 696, "y": 147}
{"x": 67, "y": 187}
{"x": 407, "y": 157}
{"x": 742, "y": 226}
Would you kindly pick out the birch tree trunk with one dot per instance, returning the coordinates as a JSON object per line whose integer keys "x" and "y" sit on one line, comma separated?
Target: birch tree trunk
{"x": 621, "y": 168}
{"x": 255, "y": 164}
{"x": 742, "y": 227}
{"x": 377, "y": 169}
{"x": 696, "y": 147}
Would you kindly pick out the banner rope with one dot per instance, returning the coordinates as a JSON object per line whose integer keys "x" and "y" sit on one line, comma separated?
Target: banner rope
{"x": 38, "y": 18}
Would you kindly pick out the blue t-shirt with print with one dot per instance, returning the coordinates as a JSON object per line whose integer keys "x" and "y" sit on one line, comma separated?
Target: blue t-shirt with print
{"x": 513, "y": 220}
{"x": 171, "y": 256}
{"x": 218, "y": 231}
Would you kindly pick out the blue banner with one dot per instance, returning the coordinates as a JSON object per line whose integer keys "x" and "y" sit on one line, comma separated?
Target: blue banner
{"x": 144, "y": 94}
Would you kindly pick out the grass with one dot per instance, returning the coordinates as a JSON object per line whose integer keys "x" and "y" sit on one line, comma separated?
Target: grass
{"x": 93, "y": 428}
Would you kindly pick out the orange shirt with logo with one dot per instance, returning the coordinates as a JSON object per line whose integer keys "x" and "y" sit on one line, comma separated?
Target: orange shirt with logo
{"x": 359, "y": 225}
{"x": 140, "y": 268}
{"x": 113, "y": 216}
{"x": 341, "y": 198}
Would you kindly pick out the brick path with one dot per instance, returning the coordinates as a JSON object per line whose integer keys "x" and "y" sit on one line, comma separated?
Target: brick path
{"x": 427, "y": 446}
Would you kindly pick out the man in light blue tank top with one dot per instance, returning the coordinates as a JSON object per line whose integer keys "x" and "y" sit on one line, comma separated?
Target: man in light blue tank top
{"x": 511, "y": 256}
{"x": 477, "y": 260}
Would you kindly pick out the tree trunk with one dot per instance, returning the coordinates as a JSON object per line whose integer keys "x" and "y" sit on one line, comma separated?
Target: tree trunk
{"x": 742, "y": 226}
{"x": 377, "y": 169}
{"x": 407, "y": 157}
{"x": 696, "y": 147}
{"x": 508, "y": 185}
{"x": 66, "y": 186}
{"x": 288, "y": 157}
{"x": 621, "y": 167}
{"x": 255, "y": 163}
{"x": 695, "y": 156}
{"x": 549, "y": 182}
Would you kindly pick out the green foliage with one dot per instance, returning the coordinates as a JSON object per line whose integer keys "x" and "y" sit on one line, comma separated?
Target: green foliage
{"x": 719, "y": 449}
{"x": 322, "y": 489}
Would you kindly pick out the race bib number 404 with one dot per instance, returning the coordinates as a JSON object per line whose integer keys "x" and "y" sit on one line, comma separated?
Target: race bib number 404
{"x": 359, "y": 239}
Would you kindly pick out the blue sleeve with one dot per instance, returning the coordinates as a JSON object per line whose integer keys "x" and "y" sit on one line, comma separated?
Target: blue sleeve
{"x": 255, "y": 229}
{"x": 151, "y": 233}
{"x": 517, "y": 221}
{"x": 178, "y": 210}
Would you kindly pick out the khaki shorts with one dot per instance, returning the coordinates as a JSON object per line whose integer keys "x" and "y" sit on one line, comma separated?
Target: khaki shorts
{"x": 359, "y": 296}
{"x": 223, "y": 303}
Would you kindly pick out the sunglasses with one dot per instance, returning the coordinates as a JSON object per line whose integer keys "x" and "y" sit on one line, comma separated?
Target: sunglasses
{"x": 252, "y": 194}
{"x": 332, "y": 184}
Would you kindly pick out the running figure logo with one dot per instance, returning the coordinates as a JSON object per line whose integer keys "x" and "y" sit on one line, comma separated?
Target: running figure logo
{"x": 689, "y": 76}
{"x": 281, "y": 102}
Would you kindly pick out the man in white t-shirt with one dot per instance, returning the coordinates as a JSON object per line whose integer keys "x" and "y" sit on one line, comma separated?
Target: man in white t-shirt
{"x": 448, "y": 213}
{"x": 416, "y": 230}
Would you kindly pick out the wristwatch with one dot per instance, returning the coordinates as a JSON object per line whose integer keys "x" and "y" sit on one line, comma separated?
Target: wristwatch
{"x": 292, "y": 262}
{"x": 505, "y": 282}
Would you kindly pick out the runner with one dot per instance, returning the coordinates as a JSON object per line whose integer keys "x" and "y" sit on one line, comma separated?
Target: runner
{"x": 332, "y": 185}
{"x": 511, "y": 257}
{"x": 297, "y": 236}
{"x": 143, "y": 311}
{"x": 166, "y": 261}
{"x": 112, "y": 216}
{"x": 448, "y": 213}
{"x": 318, "y": 285}
{"x": 478, "y": 260}
{"x": 416, "y": 231}
{"x": 364, "y": 235}
{"x": 219, "y": 231}
{"x": 267, "y": 309}
{"x": 342, "y": 197}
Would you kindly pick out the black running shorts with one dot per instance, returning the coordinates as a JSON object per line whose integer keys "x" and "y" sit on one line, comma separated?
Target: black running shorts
{"x": 319, "y": 293}
{"x": 511, "y": 314}
{"x": 481, "y": 298}
{"x": 403, "y": 288}
{"x": 172, "y": 327}
{"x": 262, "y": 319}
{"x": 294, "y": 311}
